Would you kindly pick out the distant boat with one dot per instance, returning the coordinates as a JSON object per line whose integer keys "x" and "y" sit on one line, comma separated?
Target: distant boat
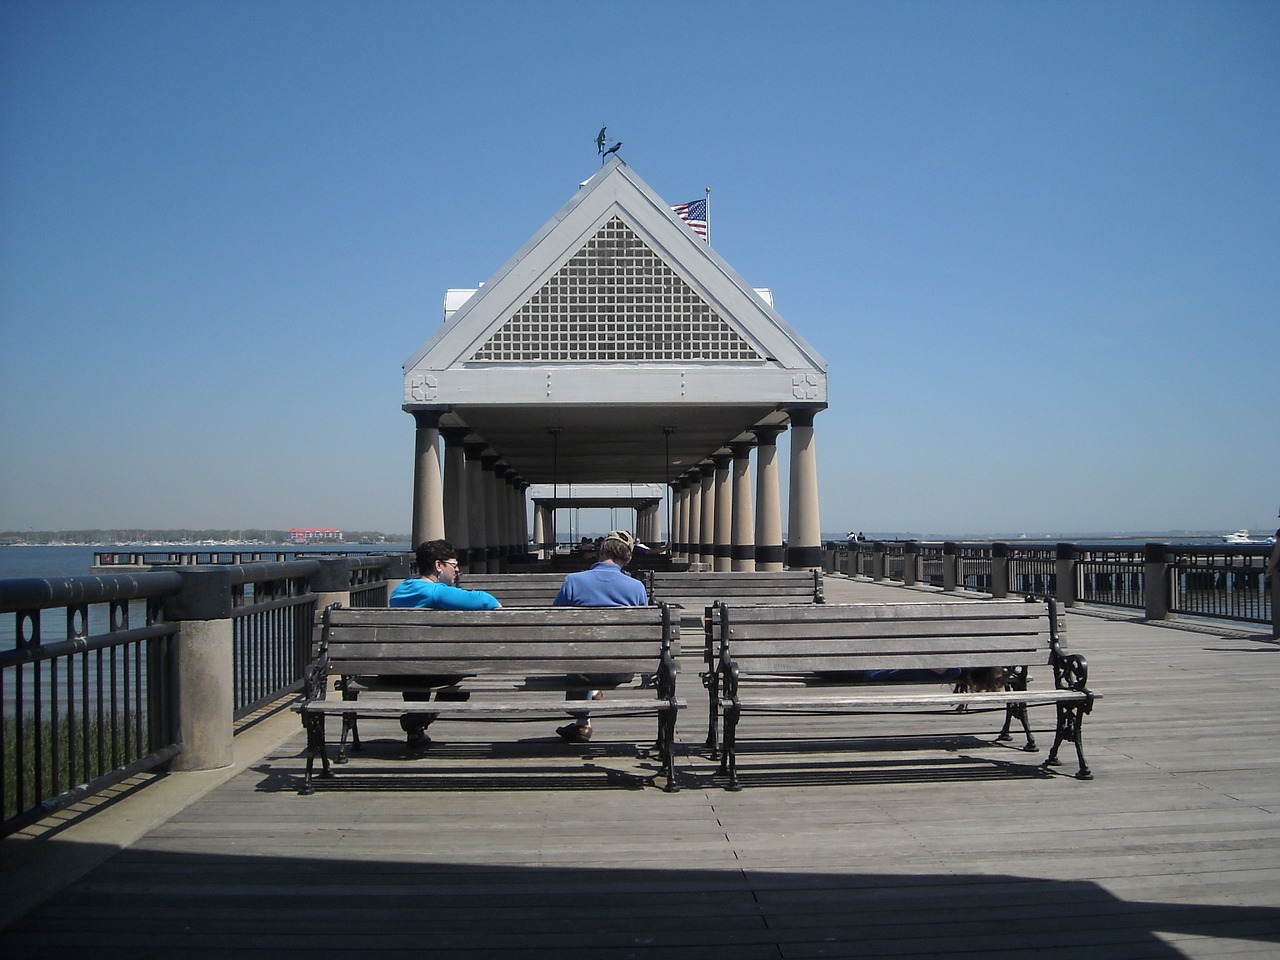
{"x": 1240, "y": 536}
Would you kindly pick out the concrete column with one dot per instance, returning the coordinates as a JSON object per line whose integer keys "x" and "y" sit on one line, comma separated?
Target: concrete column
{"x": 206, "y": 695}
{"x": 769, "y": 550}
{"x": 492, "y": 529}
{"x": 397, "y": 570}
{"x": 522, "y": 516}
{"x": 950, "y": 560}
{"x": 1065, "y": 574}
{"x": 723, "y": 533}
{"x": 477, "y": 535}
{"x": 681, "y": 547}
{"x": 457, "y": 528}
{"x": 879, "y": 561}
{"x": 428, "y": 487}
{"x": 804, "y": 536}
{"x": 999, "y": 570}
{"x": 707, "y": 531}
{"x": 742, "y": 549}
{"x": 911, "y": 563}
{"x": 1155, "y": 580}
{"x": 694, "y": 533}
{"x": 540, "y": 530}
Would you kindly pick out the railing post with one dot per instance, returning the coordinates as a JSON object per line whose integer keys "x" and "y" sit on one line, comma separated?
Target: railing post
{"x": 950, "y": 565}
{"x": 206, "y": 701}
{"x": 999, "y": 570}
{"x": 1275, "y": 605}
{"x": 332, "y": 584}
{"x": 911, "y": 563}
{"x": 1065, "y": 574}
{"x": 879, "y": 557}
{"x": 1155, "y": 581}
{"x": 396, "y": 571}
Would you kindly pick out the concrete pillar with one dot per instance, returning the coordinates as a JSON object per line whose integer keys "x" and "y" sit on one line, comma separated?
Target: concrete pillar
{"x": 769, "y": 550}
{"x": 1065, "y": 574}
{"x": 428, "y": 487}
{"x": 707, "y": 533}
{"x": 694, "y": 532}
{"x": 742, "y": 548}
{"x": 397, "y": 570}
{"x": 456, "y": 525}
{"x": 911, "y": 563}
{"x": 879, "y": 560}
{"x": 804, "y": 531}
{"x": 950, "y": 561}
{"x": 999, "y": 570}
{"x": 1155, "y": 580}
{"x": 493, "y": 532}
{"x": 477, "y": 534}
{"x": 206, "y": 693}
{"x": 682, "y": 519}
{"x": 723, "y": 533}
{"x": 540, "y": 530}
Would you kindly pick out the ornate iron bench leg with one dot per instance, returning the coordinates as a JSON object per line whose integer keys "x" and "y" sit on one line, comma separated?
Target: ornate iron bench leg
{"x": 314, "y": 724}
{"x": 711, "y": 680}
{"x": 1018, "y": 711}
{"x": 1070, "y": 722}
{"x": 729, "y": 755}
{"x": 667, "y": 725}
{"x": 349, "y": 727}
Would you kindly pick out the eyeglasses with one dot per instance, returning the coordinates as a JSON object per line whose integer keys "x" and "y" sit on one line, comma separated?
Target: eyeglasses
{"x": 452, "y": 563}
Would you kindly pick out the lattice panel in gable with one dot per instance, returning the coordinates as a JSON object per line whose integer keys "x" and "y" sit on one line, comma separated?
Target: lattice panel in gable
{"x": 616, "y": 300}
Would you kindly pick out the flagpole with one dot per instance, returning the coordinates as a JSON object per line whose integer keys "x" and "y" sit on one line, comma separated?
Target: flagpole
{"x": 708, "y": 216}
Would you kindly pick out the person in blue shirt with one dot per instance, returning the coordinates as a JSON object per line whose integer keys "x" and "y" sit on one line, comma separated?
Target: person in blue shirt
{"x": 433, "y": 588}
{"x": 604, "y": 584}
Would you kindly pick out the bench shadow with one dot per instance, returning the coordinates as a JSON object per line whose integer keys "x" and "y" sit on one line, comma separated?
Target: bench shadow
{"x": 154, "y": 903}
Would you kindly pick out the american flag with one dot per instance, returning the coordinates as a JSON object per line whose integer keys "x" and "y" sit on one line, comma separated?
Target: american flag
{"x": 694, "y": 213}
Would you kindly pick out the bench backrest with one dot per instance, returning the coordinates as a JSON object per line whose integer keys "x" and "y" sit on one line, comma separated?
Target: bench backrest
{"x": 776, "y": 587}
{"x": 515, "y": 589}
{"x": 881, "y": 636}
{"x": 415, "y": 641}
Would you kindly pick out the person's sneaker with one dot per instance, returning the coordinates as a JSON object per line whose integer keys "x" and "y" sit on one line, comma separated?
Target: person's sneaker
{"x": 417, "y": 738}
{"x": 573, "y": 733}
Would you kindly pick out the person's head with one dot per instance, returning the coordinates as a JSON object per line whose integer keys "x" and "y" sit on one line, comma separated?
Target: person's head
{"x": 437, "y": 560}
{"x": 617, "y": 546}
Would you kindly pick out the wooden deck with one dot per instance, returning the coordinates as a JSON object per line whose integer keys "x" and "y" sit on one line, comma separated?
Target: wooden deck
{"x": 920, "y": 837}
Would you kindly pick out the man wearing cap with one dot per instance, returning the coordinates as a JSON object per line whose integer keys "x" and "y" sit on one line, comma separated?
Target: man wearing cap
{"x": 604, "y": 584}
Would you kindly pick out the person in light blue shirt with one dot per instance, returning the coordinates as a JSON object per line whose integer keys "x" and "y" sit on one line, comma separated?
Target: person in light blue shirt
{"x": 433, "y": 588}
{"x": 604, "y": 584}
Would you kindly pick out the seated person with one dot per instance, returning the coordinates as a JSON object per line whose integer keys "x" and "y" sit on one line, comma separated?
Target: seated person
{"x": 604, "y": 584}
{"x": 433, "y": 588}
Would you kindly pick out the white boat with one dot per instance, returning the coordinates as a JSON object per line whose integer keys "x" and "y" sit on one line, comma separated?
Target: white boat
{"x": 1240, "y": 536}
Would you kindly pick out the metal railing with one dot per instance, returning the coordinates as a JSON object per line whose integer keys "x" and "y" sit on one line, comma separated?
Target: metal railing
{"x": 83, "y": 708}
{"x": 272, "y": 620}
{"x": 1223, "y": 583}
{"x": 1215, "y": 581}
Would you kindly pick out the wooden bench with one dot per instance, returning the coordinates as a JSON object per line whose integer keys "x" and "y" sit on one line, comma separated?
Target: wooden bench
{"x": 694, "y": 591}
{"x": 815, "y": 661}
{"x": 516, "y": 663}
{"x": 515, "y": 589}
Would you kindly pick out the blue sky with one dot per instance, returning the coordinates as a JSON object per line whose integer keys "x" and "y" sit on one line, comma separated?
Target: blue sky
{"x": 1038, "y": 243}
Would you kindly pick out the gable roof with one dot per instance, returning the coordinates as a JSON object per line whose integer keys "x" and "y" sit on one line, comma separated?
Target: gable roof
{"x": 614, "y": 302}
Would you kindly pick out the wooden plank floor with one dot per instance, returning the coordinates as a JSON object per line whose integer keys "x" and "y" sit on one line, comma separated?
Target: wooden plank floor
{"x": 919, "y": 837}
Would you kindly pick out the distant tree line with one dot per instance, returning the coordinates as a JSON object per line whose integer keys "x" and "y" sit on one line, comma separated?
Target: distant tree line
{"x": 177, "y": 536}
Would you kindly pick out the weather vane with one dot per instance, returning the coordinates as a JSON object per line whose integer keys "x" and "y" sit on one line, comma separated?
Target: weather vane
{"x": 601, "y": 140}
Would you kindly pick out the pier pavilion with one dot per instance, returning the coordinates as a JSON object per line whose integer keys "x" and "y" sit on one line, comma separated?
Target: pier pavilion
{"x": 615, "y": 349}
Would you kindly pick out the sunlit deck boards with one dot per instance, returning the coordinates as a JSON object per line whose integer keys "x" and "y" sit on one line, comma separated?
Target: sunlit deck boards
{"x": 932, "y": 841}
